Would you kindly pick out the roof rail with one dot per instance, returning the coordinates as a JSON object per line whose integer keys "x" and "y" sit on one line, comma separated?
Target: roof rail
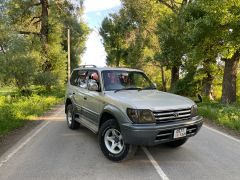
{"x": 86, "y": 66}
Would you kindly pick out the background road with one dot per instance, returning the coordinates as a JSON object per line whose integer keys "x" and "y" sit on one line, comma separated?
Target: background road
{"x": 52, "y": 151}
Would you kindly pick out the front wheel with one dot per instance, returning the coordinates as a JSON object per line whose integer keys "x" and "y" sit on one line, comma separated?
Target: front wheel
{"x": 112, "y": 144}
{"x": 177, "y": 143}
{"x": 72, "y": 124}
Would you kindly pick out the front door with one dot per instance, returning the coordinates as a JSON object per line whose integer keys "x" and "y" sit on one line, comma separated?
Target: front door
{"x": 92, "y": 99}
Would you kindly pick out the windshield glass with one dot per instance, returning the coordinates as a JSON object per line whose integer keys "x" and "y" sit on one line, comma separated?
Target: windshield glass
{"x": 117, "y": 80}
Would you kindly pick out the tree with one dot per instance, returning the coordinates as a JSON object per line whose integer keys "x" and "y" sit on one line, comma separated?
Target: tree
{"x": 44, "y": 25}
{"x": 72, "y": 19}
{"x": 214, "y": 25}
{"x": 173, "y": 45}
{"x": 113, "y": 34}
{"x": 17, "y": 64}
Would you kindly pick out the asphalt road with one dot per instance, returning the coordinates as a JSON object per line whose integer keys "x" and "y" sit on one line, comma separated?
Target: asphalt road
{"x": 52, "y": 151}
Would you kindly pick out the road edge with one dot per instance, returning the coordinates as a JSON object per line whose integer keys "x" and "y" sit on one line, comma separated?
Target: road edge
{"x": 9, "y": 140}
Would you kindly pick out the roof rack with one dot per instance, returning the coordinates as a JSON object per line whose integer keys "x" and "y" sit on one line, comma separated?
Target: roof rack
{"x": 86, "y": 66}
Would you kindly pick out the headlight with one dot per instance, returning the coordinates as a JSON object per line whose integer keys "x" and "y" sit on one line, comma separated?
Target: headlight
{"x": 194, "y": 110}
{"x": 140, "y": 115}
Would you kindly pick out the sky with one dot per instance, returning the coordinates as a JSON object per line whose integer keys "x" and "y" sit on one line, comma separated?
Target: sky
{"x": 95, "y": 12}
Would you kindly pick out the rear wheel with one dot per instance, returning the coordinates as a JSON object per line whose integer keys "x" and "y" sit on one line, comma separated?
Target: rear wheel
{"x": 112, "y": 144}
{"x": 72, "y": 124}
{"x": 177, "y": 143}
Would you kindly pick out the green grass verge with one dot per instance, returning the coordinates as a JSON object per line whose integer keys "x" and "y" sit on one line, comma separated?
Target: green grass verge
{"x": 15, "y": 110}
{"x": 225, "y": 115}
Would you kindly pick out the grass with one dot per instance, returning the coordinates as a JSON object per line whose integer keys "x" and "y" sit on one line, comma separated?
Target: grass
{"x": 224, "y": 115}
{"x": 7, "y": 91}
{"x": 16, "y": 110}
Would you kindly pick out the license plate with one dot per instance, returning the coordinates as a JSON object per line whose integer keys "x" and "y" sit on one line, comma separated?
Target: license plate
{"x": 180, "y": 133}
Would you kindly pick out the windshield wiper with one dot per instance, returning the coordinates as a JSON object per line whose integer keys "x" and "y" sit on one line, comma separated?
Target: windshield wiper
{"x": 139, "y": 89}
{"x": 149, "y": 88}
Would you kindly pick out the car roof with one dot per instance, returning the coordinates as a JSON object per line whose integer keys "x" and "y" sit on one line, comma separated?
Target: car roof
{"x": 106, "y": 69}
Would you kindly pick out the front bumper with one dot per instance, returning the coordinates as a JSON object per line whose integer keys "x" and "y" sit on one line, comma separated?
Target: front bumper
{"x": 153, "y": 134}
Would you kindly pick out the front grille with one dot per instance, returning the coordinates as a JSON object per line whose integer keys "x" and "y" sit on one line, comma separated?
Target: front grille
{"x": 164, "y": 135}
{"x": 172, "y": 115}
{"x": 191, "y": 130}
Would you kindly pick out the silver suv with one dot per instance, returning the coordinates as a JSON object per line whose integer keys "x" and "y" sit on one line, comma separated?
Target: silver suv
{"x": 125, "y": 109}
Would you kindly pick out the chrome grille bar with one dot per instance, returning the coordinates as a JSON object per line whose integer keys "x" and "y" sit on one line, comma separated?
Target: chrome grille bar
{"x": 172, "y": 115}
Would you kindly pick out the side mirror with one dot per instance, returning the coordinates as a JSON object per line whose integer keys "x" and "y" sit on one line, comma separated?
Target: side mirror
{"x": 199, "y": 98}
{"x": 92, "y": 86}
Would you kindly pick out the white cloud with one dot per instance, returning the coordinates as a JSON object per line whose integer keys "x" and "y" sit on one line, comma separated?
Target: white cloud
{"x": 100, "y": 5}
{"x": 95, "y": 53}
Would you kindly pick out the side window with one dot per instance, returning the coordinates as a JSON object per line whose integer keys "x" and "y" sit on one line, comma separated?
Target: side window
{"x": 73, "y": 78}
{"x": 82, "y": 79}
{"x": 93, "y": 76}
{"x": 79, "y": 78}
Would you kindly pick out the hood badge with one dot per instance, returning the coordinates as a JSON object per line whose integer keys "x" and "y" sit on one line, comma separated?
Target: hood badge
{"x": 175, "y": 114}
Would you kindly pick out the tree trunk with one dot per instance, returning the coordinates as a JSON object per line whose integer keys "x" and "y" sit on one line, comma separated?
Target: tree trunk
{"x": 229, "y": 79}
{"x": 208, "y": 81}
{"x": 164, "y": 86}
{"x": 174, "y": 76}
{"x": 44, "y": 25}
{"x": 117, "y": 61}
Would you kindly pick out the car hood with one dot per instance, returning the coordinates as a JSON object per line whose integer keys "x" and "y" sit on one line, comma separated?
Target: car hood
{"x": 150, "y": 99}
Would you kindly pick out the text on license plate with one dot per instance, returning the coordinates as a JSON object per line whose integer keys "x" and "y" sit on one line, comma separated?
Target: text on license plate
{"x": 180, "y": 133}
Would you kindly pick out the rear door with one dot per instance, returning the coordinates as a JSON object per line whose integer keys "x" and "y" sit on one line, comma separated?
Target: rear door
{"x": 72, "y": 90}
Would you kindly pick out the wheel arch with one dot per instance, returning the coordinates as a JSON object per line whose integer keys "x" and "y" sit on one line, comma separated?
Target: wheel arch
{"x": 105, "y": 116}
{"x": 112, "y": 112}
{"x": 68, "y": 101}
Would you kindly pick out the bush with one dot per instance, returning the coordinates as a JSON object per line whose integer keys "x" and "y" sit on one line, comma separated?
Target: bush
{"x": 47, "y": 79}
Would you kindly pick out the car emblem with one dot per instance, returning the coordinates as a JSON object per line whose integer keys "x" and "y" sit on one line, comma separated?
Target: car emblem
{"x": 175, "y": 114}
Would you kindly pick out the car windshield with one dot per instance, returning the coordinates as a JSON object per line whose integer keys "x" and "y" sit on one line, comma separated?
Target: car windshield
{"x": 116, "y": 80}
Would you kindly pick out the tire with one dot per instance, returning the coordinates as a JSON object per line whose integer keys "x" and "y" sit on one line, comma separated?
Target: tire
{"x": 72, "y": 124}
{"x": 110, "y": 135}
{"x": 177, "y": 143}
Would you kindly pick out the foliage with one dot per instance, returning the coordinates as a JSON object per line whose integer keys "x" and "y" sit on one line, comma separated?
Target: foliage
{"x": 112, "y": 32}
{"x": 193, "y": 39}
{"x": 34, "y": 38}
{"x": 46, "y": 79}
{"x": 225, "y": 115}
{"x": 129, "y": 36}
{"x": 78, "y": 30}
{"x": 15, "y": 109}
{"x": 18, "y": 63}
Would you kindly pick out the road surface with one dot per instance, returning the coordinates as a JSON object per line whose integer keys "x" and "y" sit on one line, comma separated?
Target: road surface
{"x": 52, "y": 151}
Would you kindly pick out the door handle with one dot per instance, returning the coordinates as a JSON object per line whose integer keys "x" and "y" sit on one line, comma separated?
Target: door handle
{"x": 85, "y": 98}
{"x": 73, "y": 93}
